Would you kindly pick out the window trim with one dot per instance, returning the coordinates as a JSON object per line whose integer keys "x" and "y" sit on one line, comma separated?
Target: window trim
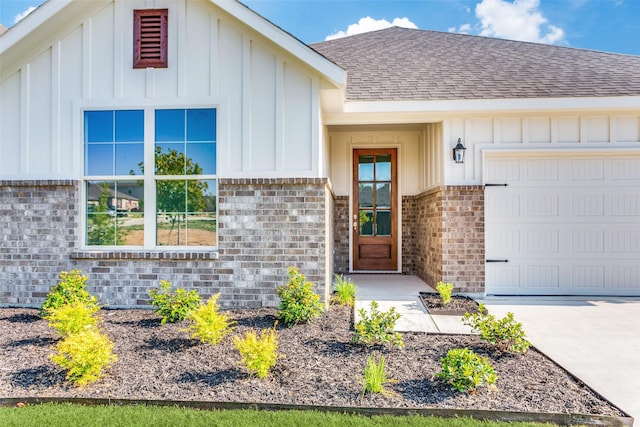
{"x": 157, "y": 61}
{"x": 148, "y": 176}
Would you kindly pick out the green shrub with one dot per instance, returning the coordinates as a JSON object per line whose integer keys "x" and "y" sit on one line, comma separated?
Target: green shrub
{"x": 444, "y": 289}
{"x": 376, "y": 327}
{"x": 84, "y": 355}
{"x": 259, "y": 354}
{"x": 73, "y": 317}
{"x": 506, "y": 334}
{"x": 208, "y": 324}
{"x": 173, "y": 306}
{"x": 345, "y": 291}
{"x": 70, "y": 288}
{"x": 298, "y": 302}
{"x": 375, "y": 377}
{"x": 465, "y": 370}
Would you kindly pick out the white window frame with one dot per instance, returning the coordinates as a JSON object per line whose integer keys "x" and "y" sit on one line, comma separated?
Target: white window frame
{"x": 149, "y": 176}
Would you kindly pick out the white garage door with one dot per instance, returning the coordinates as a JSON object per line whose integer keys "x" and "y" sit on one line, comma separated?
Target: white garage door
{"x": 565, "y": 225}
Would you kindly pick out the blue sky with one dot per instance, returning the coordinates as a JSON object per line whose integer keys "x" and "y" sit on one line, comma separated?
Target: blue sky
{"x": 605, "y": 25}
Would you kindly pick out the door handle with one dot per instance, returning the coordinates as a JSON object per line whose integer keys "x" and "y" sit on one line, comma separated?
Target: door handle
{"x": 355, "y": 226}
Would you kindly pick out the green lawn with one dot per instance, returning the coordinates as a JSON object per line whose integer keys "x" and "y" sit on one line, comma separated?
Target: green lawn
{"x": 152, "y": 416}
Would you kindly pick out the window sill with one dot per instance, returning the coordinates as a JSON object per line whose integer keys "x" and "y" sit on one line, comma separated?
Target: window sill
{"x": 142, "y": 254}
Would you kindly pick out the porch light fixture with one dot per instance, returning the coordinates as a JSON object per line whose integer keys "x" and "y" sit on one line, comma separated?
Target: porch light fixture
{"x": 458, "y": 152}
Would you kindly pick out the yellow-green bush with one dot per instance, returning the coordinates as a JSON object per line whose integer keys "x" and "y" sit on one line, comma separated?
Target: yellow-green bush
{"x": 84, "y": 355}
{"x": 259, "y": 354}
{"x": 207, "y": 323}
{"x": 173, "y": 306}
{"x": 444, "y": 289}
{"x": 73, "y": 317}
{"x": 70, "y": 288}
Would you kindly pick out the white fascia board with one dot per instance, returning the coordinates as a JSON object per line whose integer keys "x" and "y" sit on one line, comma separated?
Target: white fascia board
{"x": 493, "y": 105}
{"x": 331, "y": 71}
{"x": 36, "y": 18}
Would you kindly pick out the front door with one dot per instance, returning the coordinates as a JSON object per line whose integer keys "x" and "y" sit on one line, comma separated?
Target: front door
{"x": 374, "y": 219}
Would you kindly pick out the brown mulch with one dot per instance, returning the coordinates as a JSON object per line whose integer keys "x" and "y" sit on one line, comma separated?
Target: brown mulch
{"x": 433, "y": 303}
{"x": 319, "y": 366}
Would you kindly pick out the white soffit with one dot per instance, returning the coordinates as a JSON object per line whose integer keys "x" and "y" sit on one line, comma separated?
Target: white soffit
{"x": 493, "y": 105}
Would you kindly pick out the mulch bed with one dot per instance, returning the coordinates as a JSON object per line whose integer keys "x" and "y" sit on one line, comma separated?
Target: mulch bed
{"x": 459, "y": 303}
{"x": 319, "y": 366}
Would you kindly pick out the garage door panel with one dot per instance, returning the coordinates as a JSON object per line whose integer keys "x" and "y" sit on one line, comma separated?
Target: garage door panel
{"x": 543, "y": 276}
{"x": 625, "y": 241}
{"x": 588, "y": 276}
{"x": 625, "y": 277}
{"x": 587, "y": 241}
{"x": 587, "y": 169}
{"x": 538, "y": 170}
{"x": 567, "y": 226}
{"x": 542, "y": 205}
{"x": 627, "y": 170}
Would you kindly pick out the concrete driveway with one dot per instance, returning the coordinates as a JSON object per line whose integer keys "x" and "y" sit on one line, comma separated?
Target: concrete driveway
{"x": 596, "y": 339}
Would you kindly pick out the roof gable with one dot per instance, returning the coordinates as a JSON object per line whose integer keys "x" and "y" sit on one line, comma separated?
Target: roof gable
{"x": 45, "y": 20}
{"x": 400, "y": 64}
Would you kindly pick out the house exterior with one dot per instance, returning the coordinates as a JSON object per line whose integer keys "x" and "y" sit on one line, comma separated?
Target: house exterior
{"x": 196, "y": 142}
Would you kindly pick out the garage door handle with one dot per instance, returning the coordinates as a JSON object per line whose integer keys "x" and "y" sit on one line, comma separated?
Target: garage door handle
{"x": 497, "y": 260}
{"x": 497, "y": 185}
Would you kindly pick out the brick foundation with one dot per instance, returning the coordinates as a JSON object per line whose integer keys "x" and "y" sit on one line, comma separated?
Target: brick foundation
{"x": 341, "y": 231}
{"x": 264, "y": 225}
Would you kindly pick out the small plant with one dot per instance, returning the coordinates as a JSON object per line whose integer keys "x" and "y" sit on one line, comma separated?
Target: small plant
{"x": 444, "y": 289}
{"x": 259, "y": 354}
{"x": 506, "y": 334}
{"x": 70, "y": 288}
{"x": 375, "y": 377}
{"x": 208, "y": 324}
{"x": 465, "y": 370}
{"x": 377, "y": 327}
{"x": 173, "y": 306}
{"x": 298, "y": 302}
{"x": 345, "y": 291}
{"x": 73, "y": 317}
{"x": 84, "y": 355}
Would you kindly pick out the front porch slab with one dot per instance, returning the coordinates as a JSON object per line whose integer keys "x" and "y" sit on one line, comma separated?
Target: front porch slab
{"x": 402, "y": 292}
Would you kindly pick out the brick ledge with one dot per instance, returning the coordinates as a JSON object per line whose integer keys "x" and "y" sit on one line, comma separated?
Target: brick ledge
{"x": 38, "y": 183}
{"x": 137, "y": 255}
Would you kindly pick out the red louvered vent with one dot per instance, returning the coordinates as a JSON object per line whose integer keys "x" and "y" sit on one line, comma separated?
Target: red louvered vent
{"x": 150, "y": 38}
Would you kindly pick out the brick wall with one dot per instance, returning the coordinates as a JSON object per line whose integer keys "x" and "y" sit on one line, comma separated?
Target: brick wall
{"x": 341, "y": 231}
{"x": 264, "y": 225}
{"x": 38, "y": 229}
{"x": 450, "y": 237}
{"x": 409, "y": 241}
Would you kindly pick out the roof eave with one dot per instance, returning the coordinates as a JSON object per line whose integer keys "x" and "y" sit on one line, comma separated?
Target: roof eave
{"x": 510, "y": 104}
{"x": 390, "y": 112}
{"x": 27, "y": 25}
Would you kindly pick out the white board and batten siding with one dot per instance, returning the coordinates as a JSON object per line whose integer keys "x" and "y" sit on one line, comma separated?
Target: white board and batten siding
{"x": 267, "y": 100}
{"x": 568, "y": 220}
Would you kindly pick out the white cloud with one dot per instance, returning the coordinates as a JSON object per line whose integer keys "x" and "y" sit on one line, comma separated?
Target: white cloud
{"x": 19, "y": 17}
{"x": 463, "y": 29}
{"x": 369, "y": 24}
{"x": 517, "y": 20}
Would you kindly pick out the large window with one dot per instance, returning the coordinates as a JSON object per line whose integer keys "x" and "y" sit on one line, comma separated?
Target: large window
{"x": 169, "y": 199}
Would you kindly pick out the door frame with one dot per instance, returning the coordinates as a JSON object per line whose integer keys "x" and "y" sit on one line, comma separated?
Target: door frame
{"x": 398, "y": 147}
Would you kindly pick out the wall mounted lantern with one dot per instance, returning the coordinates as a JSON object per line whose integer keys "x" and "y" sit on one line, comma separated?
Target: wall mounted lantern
{"x": 458, "y": 152}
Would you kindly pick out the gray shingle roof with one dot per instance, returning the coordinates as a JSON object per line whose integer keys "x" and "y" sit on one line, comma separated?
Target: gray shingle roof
{"x": 406, "y": 64}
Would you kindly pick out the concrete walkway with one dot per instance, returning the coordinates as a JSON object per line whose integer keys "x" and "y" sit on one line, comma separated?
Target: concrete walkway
{"x": 401, "y": 292}
{"x": 596, "y": 339}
